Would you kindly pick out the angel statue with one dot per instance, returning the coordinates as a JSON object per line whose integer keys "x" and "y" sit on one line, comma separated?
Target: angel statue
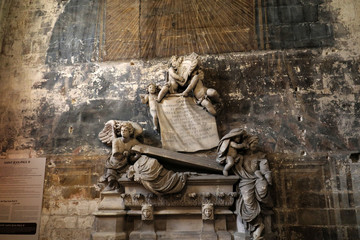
{"x": 180, "y": 69}
{"x": 229, "y": 148}
{"x": 204, "y": 96}
{"x": 121, "y": 136}
{"x": 147, "y": 171}
{"x": 184, "y": 77}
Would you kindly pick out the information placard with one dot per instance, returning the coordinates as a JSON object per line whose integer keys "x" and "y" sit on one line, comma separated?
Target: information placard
{"x": 21, "y": 193}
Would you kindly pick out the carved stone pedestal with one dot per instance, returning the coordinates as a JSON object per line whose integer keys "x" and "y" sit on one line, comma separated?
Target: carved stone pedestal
{"x": 200, "y": 211}
{"x": 181, "y": 216}
{"x": 143, "y": 230}
{"x": 110, "y": 218}
{"x": 241, "y": 236}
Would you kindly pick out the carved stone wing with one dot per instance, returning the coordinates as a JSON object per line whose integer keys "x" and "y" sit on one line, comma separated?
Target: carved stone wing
{"x": 138, "y": 130}
{"x": 107, "y": 134}
{"x": 188, "y": 65}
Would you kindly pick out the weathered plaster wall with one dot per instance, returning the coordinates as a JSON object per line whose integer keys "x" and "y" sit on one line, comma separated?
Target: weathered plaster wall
{"x": 304, "y": 104}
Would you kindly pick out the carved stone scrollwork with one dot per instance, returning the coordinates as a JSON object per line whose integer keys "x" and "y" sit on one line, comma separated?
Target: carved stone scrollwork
{"x": 207, "y": 195}
{"x": 150, "y": 196}
{"x": 138, "y": 196}
{"x": 192, "y": 195}
{"x": 221, "y": 195}
{"x": 180, "y": 200}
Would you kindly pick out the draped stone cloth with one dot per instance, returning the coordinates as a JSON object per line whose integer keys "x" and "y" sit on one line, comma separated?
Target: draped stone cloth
{"x": 254, "y": 192}
{"x": 154, "y": 177}
{"x": 224, "y": 144}
{"x": 186, "y": 126}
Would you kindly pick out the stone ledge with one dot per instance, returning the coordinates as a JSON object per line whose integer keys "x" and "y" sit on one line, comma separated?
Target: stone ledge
{"x": 108, "y": 236}
{"x": 175, "y": 211}
{"x": 110, "y": 213}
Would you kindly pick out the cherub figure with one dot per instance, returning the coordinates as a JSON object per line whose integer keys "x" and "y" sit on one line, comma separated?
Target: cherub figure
{"x": 202, "y": 93}
{"x": 227, "y": 151}
{"x": 173, "y": 78}
{"x": 122, "y": 137}
{"x": 150, "y": 99}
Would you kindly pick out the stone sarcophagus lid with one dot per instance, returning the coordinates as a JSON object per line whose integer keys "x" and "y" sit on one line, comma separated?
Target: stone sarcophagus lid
{"x": 202, "y": 210}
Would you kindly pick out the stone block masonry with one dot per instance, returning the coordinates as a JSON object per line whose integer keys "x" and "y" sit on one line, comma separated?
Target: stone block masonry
{"x": 70, "y": 197}
{"x": 316, "y": 197}
{"x": 297, "y": 24}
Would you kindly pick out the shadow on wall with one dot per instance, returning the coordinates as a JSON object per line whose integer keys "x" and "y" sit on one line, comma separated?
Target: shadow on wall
{"x": 76, "y": 131}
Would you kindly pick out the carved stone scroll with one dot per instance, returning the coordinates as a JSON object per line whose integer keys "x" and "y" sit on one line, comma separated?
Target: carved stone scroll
{"x": 185, "y": 126}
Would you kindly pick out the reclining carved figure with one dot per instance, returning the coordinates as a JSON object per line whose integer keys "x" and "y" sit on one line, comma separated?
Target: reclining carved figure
{"x": 141, "y": 168}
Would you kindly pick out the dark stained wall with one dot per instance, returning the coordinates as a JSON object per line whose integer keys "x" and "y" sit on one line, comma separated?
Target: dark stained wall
{"x": 146, "y": 29}
{"x": 287, "y": 97}
{"x": 77, "y": 33}
{"x": 296, "y": 24}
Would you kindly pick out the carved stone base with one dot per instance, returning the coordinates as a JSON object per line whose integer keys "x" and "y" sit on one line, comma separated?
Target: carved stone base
{"x": 185, "y": 235}
{"x": 241, "y": 236}
{"x": 111, "y": 201}
{"x": 143, "y": 230}
{"x": 108, "y": 236}
{"x": 145, "y": 235}
{"x": 200, "y": 211}
{"x": 109, "y": 225}
{"x": 224, "y": 235}
{"x": 110, "y": 219}
{"x": 193, "y": 235}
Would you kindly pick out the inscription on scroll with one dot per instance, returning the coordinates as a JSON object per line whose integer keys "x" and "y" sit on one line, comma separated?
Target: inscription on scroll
{"x": 186, "y": 126}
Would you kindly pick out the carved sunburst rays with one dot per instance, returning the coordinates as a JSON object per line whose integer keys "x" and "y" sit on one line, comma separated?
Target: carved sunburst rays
{"x": 122, "y": 29}
{"x": 162, "y": 28}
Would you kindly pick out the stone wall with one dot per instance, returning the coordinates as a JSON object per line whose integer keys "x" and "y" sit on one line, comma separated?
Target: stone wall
{"x": 316, "y": 197}
{"x": 303, "y": 103}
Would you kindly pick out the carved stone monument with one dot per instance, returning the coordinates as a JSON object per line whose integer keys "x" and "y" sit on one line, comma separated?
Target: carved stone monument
{"x": 142, "y": 199}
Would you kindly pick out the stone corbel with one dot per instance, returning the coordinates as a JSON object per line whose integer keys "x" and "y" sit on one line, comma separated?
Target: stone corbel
{"x": 147, "y": 212}
{"x": 208, "y": 228}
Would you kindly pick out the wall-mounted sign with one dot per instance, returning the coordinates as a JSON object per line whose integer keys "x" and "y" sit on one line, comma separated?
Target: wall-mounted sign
{"x": 21, "y": 193}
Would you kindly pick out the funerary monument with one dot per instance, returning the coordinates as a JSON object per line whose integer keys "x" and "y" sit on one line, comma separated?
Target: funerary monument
{"x": 222, "y": 194}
